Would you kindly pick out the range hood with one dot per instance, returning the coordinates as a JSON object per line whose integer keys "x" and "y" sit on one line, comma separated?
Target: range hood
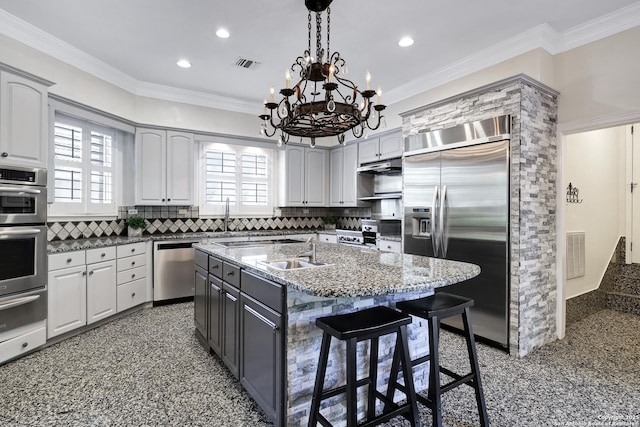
{"x": 391, "y": 166}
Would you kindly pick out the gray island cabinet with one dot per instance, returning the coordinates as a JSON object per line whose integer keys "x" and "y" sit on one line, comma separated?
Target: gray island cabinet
{"x": 260, "y": 320}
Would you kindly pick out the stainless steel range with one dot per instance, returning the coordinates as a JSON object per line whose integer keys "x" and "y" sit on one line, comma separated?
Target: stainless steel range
{"x": 354, "y": 238}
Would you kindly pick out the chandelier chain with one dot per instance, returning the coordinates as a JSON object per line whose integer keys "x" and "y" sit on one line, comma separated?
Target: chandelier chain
{"x": 328, "y": 32}
{"x": 309, "y": 39}
{"x": 318, "y": 36}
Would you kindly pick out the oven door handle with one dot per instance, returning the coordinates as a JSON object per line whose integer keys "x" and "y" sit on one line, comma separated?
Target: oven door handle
{"x": 20, "y": 190}
{"x": 18, "y": 301}
{"x": 28, "y": 232}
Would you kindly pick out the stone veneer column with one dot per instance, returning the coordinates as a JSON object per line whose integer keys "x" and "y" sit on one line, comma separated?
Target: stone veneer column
{"x": 533, "y": 108}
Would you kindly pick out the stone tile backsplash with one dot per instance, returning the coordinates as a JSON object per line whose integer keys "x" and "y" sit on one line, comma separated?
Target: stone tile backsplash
{"x": 167, "y": 219}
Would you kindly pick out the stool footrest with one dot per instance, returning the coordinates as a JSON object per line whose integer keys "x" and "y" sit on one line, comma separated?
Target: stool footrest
{"x": 343, "y": 388}
{"x": 383, "y": 418}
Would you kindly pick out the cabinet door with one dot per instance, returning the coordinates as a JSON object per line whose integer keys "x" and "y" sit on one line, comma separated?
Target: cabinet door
{"x": 315, "y": 179}
{"x": 391, "y": 146}
{"x": 349, "y": 175}
{"x": 180, "y": 167}
{"x": 368, "y": 150}
{"x": 23, "y": 121}
{"x": 230, "y": 326}
{"x": 67, "y": 300}
{"x": 262, "y": 356}
{"x": 151, "y": 178}
{"x": 215, "y": 314}
{"x": 335, "y": 177}
{"x": 294, "y": 187}
{"x": 101, "y": 291}
{"x": 200, "y": 301}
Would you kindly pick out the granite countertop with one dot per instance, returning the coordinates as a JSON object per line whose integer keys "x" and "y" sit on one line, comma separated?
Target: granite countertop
{"x": 98, "y": 242}
{"x": 352, "y": 271}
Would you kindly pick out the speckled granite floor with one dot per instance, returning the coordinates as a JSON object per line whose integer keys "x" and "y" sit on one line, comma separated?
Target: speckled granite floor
{"x": 148, "y": 370}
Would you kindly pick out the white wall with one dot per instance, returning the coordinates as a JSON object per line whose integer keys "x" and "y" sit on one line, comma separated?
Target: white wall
{"x": 594, "y": 162}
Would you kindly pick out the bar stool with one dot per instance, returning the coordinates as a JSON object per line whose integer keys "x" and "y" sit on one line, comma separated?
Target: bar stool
{"x": 367, "y": 324}
{"x": 434, "y": 308}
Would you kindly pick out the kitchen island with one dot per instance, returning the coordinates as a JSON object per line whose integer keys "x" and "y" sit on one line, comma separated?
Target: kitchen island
{"x": 352, "y": 278}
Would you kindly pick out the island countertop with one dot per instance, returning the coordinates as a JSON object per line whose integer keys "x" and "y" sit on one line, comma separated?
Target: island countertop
{"x": 351, "y": 271}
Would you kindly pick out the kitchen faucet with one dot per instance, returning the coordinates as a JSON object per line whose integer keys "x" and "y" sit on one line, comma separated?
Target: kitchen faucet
{"x": 311, "y": 253}
{"x": 226, "y": 215}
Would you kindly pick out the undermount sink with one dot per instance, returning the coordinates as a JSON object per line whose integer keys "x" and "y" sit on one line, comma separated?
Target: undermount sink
{"x": 293, "y": 264}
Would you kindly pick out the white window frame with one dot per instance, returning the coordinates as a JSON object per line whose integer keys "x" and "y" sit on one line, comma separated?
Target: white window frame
{"x": 85, "y": 208}
{"x": 239, "y": 209}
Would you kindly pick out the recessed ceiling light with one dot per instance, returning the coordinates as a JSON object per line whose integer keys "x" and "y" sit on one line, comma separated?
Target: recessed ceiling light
{"x": 222, "y": 33}
{"x": 405, "y": 41}
{"x": 183, "y": 63}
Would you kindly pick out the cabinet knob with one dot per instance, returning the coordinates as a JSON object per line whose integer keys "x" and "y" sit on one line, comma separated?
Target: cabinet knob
{"x": 103, "y": 255}
{"x": 84, "y": 273}
{"x": 133, "y": 294}
{"x": 25, "y": 344}
{"x": 5, "y": 154}
{"x": 69, "y": 260}
{"x": 133, "y": 250}
{"x": 91, "y": 273}
{"x": 229, "y": 273}
{"x": 168, "y": 200}
{"x": 133, "y": 276}
{"x": 215, "y": 267}
{"x": 163, "y": 200}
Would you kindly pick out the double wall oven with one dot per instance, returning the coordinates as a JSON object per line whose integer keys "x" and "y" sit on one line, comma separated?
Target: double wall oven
{"x": 23, "y": 249}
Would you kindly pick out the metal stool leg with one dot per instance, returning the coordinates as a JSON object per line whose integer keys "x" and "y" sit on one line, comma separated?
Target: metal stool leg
{"x": 475, "y": 369}
{"x": 435, "y": 394}
{"x": 352, "y": 395}
{"x": 373, "y": 377}
{"x": 322, "y": 369}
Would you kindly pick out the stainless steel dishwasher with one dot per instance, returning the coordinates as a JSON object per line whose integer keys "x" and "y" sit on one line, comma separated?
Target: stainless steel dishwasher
{"x": 173, "y": 277}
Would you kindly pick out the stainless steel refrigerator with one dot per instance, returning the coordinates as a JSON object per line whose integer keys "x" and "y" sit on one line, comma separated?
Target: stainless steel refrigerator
{"x": 456, "y": 206}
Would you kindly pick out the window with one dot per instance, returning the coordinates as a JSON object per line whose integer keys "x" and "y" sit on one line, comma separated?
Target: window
{"x": 83, "y": 168}
{"x": 243, "y": 175}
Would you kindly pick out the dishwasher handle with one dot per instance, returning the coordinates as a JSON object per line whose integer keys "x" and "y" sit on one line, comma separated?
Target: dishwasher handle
{"x": 176, "y": 245}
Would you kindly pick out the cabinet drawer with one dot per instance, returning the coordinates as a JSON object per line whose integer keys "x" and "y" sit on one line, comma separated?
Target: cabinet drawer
{"x": 132, "y": 249}
{"x": 389, "y": 246}
{"x": 22, "y": 344}
{"x": 265, "y": 291}
{"x": 328, "y": 238}
{"x": 131, "y": 274}
{"x": 215, "y": 267}
{"x": 101, "y": 254}
{"x": 231, "y": 274}
{"x": 131, "y": 262}
{"x": 67, "y": 259}
{"x": 131, "y": 294}
{"x": 201, "y": 259}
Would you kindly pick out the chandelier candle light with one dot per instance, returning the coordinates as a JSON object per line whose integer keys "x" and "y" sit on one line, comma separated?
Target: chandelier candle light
{"x": 323, "y": 103}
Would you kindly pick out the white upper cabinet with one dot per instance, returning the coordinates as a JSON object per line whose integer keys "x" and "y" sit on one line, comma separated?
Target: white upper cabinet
{"x": 383, "y": 148}
{"x": 23, "y": 121}
{"x": 343, "y": 189}
{"x": 164, "y": 167}
{"x": 303, "y": 177}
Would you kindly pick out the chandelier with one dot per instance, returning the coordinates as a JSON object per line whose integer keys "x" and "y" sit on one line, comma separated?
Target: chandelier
{"x": 323, "y": 103}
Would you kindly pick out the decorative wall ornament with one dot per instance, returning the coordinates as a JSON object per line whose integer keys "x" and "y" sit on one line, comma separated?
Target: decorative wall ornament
{"x": 573, "y": 194}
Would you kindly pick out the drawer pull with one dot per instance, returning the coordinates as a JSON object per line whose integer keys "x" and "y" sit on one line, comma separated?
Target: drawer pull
{"x": 133, "y": 276}
{"x": 91, "y": 273}
{"x": 133, "y": 295}
{"x": 103, "y": 255}
{"x": 69, "y": 259}
{"x": 84, "y": 273}
{"x": 133, "y": 250}
{"x": 133, "y": 263}
{"x": 215, "y": 267}
{"x": 229, "y": 273}
{"x": 25, "y": 344}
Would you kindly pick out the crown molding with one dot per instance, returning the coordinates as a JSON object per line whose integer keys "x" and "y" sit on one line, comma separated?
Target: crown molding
{"x": 542, "y": 36}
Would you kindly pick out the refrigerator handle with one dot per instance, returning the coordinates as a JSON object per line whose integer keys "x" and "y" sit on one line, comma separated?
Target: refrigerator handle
{"x": 434, "y": 221}
{"x": 442, "y": 217}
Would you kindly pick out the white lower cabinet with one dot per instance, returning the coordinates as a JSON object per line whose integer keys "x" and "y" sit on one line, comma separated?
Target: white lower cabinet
{"x": 327, "y": 238}
{"x": 390, "y": 246}
{"x": 92, "y": 285}
{"x": 34, "y": 337}
{"x": 132, "y": 273}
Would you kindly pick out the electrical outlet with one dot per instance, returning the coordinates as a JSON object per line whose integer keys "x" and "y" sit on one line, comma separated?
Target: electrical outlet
{"x": 182, "y": 211}
{"x": 305, "y": 211}
{"x": 132, "y": 211}
{"x": 346, "y": 211}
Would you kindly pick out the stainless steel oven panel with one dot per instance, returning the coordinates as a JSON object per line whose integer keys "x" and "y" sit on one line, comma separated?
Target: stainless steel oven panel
{"x": 23, "y": 258}
{"x": 22, "y": 204}
{"x": 22, "y": 309}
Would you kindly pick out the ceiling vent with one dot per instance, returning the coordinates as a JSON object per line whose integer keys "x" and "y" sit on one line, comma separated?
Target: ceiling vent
{"x": 249, "y": 64}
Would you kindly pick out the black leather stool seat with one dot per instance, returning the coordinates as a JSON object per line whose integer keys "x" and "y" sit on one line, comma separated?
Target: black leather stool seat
{"x": 368, "y": 324}
{"x": 362, "y": 325}
{"x": 434, "y": 308}
{"x": 439, "y": 305}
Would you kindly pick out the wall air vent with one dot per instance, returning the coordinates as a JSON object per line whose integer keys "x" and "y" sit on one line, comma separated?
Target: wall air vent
{"x": 575, "y": 254}
{"x": 247, "y": 63}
